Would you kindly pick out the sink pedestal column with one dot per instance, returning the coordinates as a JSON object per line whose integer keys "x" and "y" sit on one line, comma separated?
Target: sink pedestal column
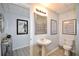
{"x": 43, "y": 50}
{"x": 43, "y": 43}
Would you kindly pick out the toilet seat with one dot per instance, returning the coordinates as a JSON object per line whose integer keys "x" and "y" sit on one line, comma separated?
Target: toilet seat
{"x": 66, "y": 47}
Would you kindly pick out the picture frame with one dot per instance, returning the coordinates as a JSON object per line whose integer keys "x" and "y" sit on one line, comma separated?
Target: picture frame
{"x": 22, "y": 27}
{"x": 69, "y": 27}
{"x": 53, "y": 27}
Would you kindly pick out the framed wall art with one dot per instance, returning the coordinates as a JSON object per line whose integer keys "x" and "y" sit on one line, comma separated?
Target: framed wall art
{"x": 69, "y": 27}
{"x": 53, "y": 27}
{"x": 22, "y": 26}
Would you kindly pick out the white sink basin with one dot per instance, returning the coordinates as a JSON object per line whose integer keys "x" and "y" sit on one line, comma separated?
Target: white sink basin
{"x": 43, "y": 41}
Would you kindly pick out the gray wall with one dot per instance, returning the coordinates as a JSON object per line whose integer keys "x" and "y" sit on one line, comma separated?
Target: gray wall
{"x": 11, "y": 13}
{"x": 77, "y": 41}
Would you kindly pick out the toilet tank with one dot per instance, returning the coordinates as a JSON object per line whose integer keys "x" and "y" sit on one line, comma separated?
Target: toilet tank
{"x": 68, "y": 42}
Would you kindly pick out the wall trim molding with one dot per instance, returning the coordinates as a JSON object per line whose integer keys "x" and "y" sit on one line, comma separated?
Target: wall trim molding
{"x": 20, "y": 47}
{"x": 52, "y": 51}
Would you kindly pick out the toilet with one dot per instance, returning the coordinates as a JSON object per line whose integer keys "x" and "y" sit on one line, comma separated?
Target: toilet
{"x": 67, "y": 46}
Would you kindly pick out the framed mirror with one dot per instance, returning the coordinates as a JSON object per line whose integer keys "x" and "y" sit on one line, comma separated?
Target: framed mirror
{"x": 53, "y": 27}
{"x": 40, "y": 24}
{"x": 69, "y": 27}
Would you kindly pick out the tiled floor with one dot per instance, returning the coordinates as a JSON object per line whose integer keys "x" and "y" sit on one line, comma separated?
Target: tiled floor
{"x": 26, "y": 52}
{"x": 37, "y": 52}
{"x": 58, "y": 52}
{"x": 22, "y": 52}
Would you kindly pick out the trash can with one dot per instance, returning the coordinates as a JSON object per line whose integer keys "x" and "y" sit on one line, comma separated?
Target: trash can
{"x": 6, "y": 46}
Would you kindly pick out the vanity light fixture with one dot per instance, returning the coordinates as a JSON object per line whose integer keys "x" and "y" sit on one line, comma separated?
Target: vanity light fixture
{"x": 67, "y": 22}
{"x": 40, "y": 11}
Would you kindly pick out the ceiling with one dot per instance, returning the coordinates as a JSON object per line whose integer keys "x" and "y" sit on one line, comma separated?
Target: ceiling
{"x": 57, "y": 7}
{"x": 60, "y": 7}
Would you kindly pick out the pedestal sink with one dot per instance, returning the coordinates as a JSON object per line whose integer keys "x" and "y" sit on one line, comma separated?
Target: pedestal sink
{"x": 43, "y": 43}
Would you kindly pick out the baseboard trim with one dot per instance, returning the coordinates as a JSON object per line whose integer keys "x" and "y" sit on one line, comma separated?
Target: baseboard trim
{"x": 52, "y": 51}
{"x": 20, "y": 47}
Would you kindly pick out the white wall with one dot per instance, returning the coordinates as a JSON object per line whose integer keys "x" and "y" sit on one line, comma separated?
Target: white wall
{"x": 53, "y": 38}
{"x": 66, "y": 16}
{"x": 11, "y": 13}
